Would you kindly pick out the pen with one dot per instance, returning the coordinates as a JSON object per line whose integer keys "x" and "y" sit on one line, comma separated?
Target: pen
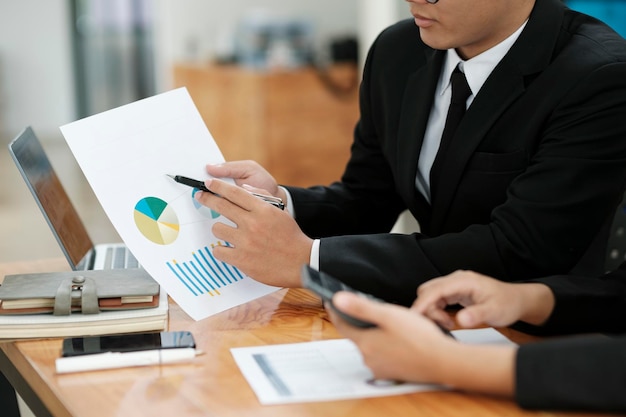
{"x": 275, "y": 201}
{"x": 112, "y": 360}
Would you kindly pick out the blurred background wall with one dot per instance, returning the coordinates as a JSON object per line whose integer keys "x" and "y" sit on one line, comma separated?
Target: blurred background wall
{"x": 39, "y": 75}
{"x": 275, "y": 81}
{"x": 40, "y": 41}
{"x": 61, "y": 60}
{"x": 36, "y": 76}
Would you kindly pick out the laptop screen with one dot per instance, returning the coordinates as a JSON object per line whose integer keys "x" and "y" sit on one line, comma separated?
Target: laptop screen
{"x": 51, "y": 197}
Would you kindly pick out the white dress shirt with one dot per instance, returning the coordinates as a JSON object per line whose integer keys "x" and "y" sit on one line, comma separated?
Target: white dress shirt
{"x": 476, "y": 70}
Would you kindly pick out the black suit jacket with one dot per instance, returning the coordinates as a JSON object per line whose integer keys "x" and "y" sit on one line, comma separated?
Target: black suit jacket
{"x": 578, "y": 372}
{"x": 536, "y": 169}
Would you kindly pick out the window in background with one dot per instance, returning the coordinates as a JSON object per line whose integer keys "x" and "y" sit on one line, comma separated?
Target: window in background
{"x": 611, "y": 12}
{"x": 113, "y": 53}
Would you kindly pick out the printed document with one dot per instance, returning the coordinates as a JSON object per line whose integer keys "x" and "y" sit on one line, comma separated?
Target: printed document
{"x": 328, "y": 370}
{"x": 125, "y": 154}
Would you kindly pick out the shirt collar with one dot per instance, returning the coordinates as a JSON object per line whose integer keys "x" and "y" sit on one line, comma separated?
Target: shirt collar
{"x": 477, "y": 69}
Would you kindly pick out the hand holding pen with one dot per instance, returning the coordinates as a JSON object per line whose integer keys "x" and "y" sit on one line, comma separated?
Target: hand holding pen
{"x": 275, "y": 201}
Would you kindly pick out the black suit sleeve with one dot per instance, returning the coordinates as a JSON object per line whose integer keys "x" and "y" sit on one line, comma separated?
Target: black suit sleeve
{"x": 584, "y": 305}
{"x": 581, "y": 373}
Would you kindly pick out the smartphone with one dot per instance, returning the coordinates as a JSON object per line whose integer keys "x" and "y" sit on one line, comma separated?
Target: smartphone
{"x": 326, "y": 286}
{"x": 130, "y": 342}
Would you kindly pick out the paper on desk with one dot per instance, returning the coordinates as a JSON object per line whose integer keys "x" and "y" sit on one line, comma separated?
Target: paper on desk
{"x": 326, "y": 370}
{"x": 125, "y": 154}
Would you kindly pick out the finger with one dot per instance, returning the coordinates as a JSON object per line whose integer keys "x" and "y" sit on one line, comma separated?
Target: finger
{"x": 388, "y": 317}
{"x": 441, "y": 317}
{"x": 476, "y": 315}
{"x": 226, "y": 254}
{"x": 234, "y": 194}
{"x": 450, "y": 289}
{"x": 360, "y": 307}
{"x": 224, "y": 232}
{"x": 433, "y": 310}
{"x": 236, "y": 169}
{"x": 252, "y": 189}
{"x": 434, "y": 299}
{"x": 220, "y": 205}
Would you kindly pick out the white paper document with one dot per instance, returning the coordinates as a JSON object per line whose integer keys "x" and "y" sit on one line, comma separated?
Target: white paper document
{"x": 125, "y": 154}
{"x": 327, "y": 370}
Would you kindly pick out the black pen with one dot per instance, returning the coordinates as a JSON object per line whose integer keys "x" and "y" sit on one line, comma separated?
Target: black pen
{"x": 275, "y": 201}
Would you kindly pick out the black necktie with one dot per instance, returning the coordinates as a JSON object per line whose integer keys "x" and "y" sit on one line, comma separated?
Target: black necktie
{"x": 460, "y": 92}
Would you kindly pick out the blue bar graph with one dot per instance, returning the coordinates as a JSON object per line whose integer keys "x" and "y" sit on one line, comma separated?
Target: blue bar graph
{"x": 203, "y": 274}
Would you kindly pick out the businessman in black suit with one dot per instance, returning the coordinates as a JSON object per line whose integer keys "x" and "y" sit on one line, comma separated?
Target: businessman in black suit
{"x": 526, "y": 187}
{"x": 586, "y": 372}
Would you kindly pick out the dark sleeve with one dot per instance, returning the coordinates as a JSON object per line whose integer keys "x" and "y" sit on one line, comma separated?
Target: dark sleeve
{"x": 581, "y": 373}
{"x": 585, "y": 305}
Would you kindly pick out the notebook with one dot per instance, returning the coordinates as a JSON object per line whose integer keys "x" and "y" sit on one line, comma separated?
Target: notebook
{"x": 59, "y": 212}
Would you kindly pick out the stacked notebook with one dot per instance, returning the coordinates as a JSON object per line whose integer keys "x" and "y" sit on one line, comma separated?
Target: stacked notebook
{"x": 63, "y": 304}
{"x": 100, "y": 295}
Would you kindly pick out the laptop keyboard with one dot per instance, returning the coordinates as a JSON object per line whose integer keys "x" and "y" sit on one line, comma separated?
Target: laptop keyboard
{"x": 120, "y": 258}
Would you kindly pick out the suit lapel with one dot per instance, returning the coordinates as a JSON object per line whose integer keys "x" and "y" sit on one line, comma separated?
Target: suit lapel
{"x": 417, "y": 102}
{"x": 493, "y": 100}
{"x": 530, "y": 54}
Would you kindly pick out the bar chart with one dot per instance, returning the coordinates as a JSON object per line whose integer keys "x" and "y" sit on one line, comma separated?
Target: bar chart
{"x": 203, "y": 274}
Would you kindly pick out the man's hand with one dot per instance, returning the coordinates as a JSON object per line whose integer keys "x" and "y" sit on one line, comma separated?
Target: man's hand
{"x": 267, "y": 243}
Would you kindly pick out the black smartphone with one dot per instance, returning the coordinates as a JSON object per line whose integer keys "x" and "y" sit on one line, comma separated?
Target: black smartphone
{"x": 325, "y": 286}
{"x": 130, "y": 342}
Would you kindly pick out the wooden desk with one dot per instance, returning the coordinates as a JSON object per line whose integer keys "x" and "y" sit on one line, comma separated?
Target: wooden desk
{"x": 212, "y": 385}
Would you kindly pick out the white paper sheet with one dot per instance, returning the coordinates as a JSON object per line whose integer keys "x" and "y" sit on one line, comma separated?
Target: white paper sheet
{"x": 125, "y": 154}
{"x": 326, "y": 370}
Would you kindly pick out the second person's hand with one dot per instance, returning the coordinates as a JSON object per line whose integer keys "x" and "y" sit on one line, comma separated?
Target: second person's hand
{"x": 485, "y": 300}
{"x": 404, "y": 346}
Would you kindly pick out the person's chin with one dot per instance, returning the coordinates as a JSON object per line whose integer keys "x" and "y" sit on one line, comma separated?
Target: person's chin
{"x": 430, "y": 39}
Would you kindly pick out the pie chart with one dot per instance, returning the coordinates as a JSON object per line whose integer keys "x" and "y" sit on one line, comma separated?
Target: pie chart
{"x": 205, "y": 211}
{"x": 156, "y": 220}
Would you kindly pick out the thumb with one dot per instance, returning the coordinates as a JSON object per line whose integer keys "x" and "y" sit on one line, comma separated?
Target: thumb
{"x": 474, "y": 316}
{"x": 217, "y": 170}
{"x": 358, "y": 307}
{"x": 235, "y": 170}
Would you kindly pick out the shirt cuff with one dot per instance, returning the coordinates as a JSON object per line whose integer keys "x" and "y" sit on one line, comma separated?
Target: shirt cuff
{"x": 289, "y": 203}
{"x": 314, "y": 260}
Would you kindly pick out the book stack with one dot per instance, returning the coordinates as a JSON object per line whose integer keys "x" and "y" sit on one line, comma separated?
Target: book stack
{"x": 40, "y": 305}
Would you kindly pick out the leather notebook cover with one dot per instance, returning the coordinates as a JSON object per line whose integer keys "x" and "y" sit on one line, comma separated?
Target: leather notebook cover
{"x": 114, "y": 289}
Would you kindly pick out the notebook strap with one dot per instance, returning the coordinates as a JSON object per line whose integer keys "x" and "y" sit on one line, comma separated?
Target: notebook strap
{"x": 74, "y": 287}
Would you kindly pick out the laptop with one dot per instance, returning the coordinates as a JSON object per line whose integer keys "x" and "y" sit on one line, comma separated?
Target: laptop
{"x": 60, "y": 213}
